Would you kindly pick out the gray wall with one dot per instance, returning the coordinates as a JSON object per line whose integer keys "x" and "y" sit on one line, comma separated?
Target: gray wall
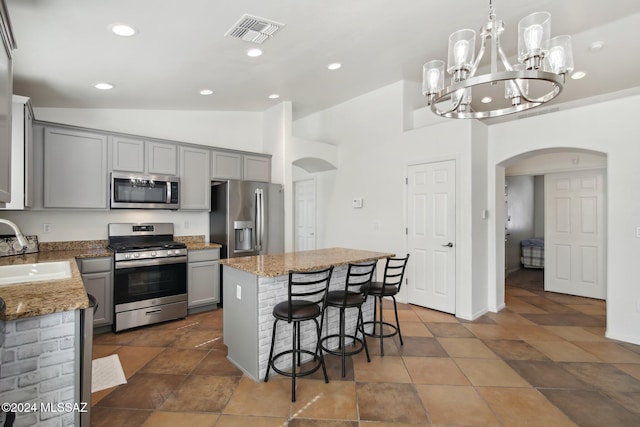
{"x": 520, "y": 223}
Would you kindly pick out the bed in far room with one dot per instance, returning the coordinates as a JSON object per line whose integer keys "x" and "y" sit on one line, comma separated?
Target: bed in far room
{"x": 532, "y": 252}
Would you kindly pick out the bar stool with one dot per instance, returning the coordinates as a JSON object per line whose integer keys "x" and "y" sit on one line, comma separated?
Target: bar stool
{"x": 353, "y": 295}
{"x": 393, "y": 275}
{"x": 306, "y": 290}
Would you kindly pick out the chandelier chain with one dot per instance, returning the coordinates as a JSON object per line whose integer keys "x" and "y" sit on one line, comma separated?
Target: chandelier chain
{"x": 492, "y": 12}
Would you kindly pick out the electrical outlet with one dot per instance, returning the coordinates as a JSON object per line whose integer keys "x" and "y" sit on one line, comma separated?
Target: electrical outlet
{"x": 46, "y": 228}
{"x": 238, "y": 292}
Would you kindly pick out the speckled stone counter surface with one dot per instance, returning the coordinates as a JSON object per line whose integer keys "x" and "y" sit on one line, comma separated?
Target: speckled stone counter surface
{"x": 195, "y": 243}
{"x": 279, "y": 264}
{"x": 46, "y": 297}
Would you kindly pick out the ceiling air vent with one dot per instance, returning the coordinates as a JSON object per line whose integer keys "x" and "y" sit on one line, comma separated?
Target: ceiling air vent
{"x": 253, "y": 29}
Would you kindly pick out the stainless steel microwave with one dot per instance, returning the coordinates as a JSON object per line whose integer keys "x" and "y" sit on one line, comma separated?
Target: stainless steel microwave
{"x": 135, "y": 191}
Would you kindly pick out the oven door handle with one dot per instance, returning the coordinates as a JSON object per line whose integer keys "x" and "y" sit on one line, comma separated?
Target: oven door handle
{"x": 152, "y": 262}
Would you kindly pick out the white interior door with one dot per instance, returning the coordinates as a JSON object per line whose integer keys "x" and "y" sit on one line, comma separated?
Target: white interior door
{"x": 574, "y": 234}
{"x": 305, "y": 215}
{"x": 431, "y": 235}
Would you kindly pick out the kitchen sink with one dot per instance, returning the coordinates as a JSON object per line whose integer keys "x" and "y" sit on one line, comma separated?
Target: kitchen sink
{"x": 23, "y": 273}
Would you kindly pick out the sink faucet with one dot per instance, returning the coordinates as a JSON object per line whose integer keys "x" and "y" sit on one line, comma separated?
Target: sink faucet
{"x": 21, "y": 239}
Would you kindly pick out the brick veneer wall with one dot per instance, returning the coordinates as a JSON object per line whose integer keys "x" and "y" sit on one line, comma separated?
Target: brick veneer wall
{"x": 271, "y": 291}
{"x": 38, "y": 360}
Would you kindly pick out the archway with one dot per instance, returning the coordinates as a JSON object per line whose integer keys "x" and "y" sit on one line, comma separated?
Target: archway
{"x": 534, "y": 162}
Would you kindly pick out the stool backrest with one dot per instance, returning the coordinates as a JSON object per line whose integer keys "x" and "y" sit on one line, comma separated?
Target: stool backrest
{"x": 309, "y": 286}
{"x": 359, "y": 276}
{"x": 394, "y": 271}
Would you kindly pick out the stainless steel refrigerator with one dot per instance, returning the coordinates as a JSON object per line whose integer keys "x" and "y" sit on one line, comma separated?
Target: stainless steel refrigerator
{"x": 247, "y": 218}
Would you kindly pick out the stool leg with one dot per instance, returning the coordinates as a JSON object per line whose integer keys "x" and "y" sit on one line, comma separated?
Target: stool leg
{"x": 342, "y": 342}
{"x": 299, "y": 346}
{"x": 319, "y": 351}
{"x": 273, "y": 340}
{"x": 360, "y": 322}
{"x": 294, "y": 356}
{"x": 395, "y": 308}
{"x": 375, "y": 310}
{"x": 381, "y": 327}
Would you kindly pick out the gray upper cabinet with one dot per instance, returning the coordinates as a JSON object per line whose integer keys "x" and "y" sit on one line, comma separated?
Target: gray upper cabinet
{"x": 231, "y": 165}
{"x": 226, "y": 165}
{"x": 195, "y": 183}
{"x": 256, "y": 168}
{"x": 7, "y": 44}
{"x": 75, "y": 169}
{"x": 21, "y": 155}
{"x": 127, "y": 154}
{"x": 162, "y": 158}
{"x": 139, "y": 156}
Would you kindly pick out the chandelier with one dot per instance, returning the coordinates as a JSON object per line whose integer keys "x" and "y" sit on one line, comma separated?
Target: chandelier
{"x": 537, "y": 78}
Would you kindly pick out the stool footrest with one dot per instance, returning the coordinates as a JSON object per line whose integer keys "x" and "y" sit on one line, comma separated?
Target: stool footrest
{"x": 316, "y": 359}
{"x": 338, "y": 352}
{"x": 378, "y": 324}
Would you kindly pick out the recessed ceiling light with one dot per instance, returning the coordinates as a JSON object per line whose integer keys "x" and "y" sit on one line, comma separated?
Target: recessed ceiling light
{"x": 254, "y": 53}
{"x": 578, "y": 75}
{"x": 103, "y": 86}
{"x": 206, "y": 92}
{"x": 334, "y": 66}
{"x": 274, "y": 96}
{"x": 596, "y": 46}
{"x": 486, "y": 100}
{"x": 123, "y": 30}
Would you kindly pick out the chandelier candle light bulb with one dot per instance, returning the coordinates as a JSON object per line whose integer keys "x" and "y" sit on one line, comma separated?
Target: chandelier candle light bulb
{"x": 536, "y": 79}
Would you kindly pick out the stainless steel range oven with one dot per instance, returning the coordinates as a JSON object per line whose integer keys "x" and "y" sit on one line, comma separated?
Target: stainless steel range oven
{"x": 150, "y": 274}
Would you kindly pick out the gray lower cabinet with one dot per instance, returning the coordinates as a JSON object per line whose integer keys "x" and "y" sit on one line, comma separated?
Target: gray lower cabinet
{"x": 75, "y": 169}
{"x": 203, "y": 277}
{"x": 97, "y": 276}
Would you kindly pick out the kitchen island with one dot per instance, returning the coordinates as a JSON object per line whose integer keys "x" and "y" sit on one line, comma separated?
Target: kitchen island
{"x": 253, "y": 285}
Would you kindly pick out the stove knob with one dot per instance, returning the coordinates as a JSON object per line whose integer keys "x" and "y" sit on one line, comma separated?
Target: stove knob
{"x": 153, "y": 254}
{"x": 169, "y": 252}
{"x": 136, "y": 255}
{"x": 127, "y": 256}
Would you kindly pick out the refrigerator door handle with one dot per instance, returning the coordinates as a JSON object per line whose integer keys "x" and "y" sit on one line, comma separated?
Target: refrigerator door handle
{"x": 259, "y": 219}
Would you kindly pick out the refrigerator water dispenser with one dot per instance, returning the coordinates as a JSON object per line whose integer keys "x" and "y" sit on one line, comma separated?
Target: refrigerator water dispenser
{"x": 244, "y": 235}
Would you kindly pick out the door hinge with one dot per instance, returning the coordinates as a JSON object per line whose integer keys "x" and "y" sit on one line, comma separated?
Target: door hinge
{"x": 406, "y": 181}
{"x": 406, "y": 231}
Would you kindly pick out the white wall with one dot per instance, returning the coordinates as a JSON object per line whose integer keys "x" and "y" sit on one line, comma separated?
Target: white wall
{"x": 611, "y": 128}
{"x": 374, "y": 154}
{"x": 226, "y": 129}
{"x": 88, "y": 225}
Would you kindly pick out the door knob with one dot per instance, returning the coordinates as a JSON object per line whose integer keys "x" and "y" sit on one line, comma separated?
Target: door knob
{"x": 448, "y": 245}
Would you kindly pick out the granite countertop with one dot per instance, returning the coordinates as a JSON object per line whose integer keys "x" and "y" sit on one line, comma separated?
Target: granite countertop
{"x": 280, "y": 264}
{"x": 39, "y": 298}
{"x": 195, "y": 246}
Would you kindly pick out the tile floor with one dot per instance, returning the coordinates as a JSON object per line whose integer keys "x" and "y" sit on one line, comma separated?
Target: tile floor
{"x": 543, "y": 361}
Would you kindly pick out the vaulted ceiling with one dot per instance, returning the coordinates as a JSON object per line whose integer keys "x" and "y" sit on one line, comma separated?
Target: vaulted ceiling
{"x": 66, "y": 46}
